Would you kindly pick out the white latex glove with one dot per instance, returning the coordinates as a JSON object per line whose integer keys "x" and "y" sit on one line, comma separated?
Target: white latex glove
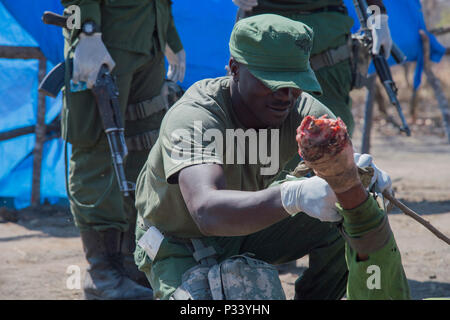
{"x": 246, "y": 5}
{"x": 312, "y": 196}
{"x": 90, "y": 54}
{"x": 177, "y": 64}
{"x": 381, "y": 36}
{"x": 380, "y": 179}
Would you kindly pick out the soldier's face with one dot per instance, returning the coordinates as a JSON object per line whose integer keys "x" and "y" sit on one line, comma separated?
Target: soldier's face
{"x": 265, "y": 107}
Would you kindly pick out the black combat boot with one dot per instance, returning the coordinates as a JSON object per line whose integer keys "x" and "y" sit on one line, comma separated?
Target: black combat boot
{"x": 128, "y": 246}
{"x": 105, "y": 277}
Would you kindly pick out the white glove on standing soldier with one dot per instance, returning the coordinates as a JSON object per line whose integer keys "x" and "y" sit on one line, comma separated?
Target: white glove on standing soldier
{"x": 177, "y": 64}
{"x": 381, "y": 35}
{"x": 246, "y": 5}
{"x": 90, "y": 54}
{"x": 380, "y": 180}
{"x": 312, "y": 196}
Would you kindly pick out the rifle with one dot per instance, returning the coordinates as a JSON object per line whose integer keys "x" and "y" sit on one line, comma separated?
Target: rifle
{"x": 107, "y": 98}
{"x": 380, "y": 62}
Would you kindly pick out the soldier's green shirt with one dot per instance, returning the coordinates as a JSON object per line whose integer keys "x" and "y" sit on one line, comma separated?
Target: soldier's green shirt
{"x": 131, "y": 25}
{"x": 202, "y": 128}
{"x": 331, "y": 29}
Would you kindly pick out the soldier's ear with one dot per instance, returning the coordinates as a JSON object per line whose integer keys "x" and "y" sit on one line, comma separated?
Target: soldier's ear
{"x": 233, "y": 66}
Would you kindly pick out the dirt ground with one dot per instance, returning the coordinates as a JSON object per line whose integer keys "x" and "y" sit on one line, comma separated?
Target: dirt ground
{"x": 40, "y": 248}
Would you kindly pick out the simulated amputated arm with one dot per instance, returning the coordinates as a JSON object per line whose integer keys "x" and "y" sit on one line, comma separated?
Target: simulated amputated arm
{"x": 373, "y": 259}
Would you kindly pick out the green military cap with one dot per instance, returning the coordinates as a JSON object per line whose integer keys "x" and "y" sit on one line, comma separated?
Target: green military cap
{"x": 276, "y": 50}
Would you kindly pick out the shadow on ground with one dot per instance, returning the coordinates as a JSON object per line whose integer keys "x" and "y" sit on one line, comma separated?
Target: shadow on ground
{"x": 419, "y": 289}
{"x": 425, "y": 207}
{"x": 51, "y": 220}
{"x": 429, "y": 289}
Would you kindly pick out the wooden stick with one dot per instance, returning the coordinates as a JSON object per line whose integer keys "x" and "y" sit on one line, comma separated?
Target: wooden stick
{"x": 11, "y": 134}
{"x": 435, "y": 84}
{"x": 440, "y": 31}
{"x": 416, "y": 217}
{"x": 368, "y": 114}
{"x": 40, "y": 130}
{"x": 15, "y": 52}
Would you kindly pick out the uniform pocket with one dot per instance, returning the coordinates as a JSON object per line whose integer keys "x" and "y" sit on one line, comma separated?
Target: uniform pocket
{"x": 81, "y": 123}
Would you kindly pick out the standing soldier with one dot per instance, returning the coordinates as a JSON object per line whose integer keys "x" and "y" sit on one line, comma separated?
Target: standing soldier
{"x": 330, "y": 56}
{"x": 131, "y": 37}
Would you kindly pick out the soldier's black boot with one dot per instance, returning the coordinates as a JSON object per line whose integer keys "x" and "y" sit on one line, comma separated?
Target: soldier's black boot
{"x": 105, "y": 277}
{"x": 128, "y": 247}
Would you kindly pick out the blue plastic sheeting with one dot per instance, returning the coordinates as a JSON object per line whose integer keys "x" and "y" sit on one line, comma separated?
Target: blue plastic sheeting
{"x": 18, "y": 107}
{"x": 204, "y": 27}
{"x": 205, "y": 33}
{"x": 405, "y": 21}
{"x": 17, "y": 184}
{"x": 28, "y": 13}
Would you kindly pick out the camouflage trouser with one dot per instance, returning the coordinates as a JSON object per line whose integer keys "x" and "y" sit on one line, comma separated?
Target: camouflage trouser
{"x": 96, "y": 201}
{"x": 288, "y": 240}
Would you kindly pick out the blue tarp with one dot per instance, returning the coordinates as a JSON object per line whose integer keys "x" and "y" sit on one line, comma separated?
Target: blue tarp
{"x": 18, "y": 104}
{"x": 204, "y": 29}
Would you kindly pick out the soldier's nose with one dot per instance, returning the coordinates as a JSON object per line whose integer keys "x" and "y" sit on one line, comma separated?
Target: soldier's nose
{"x": 287, "y": 94}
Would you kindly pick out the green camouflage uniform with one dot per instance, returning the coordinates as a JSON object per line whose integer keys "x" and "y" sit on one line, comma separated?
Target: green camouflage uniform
{"x": 160, "y": 203}
{"x": 193, "y": 133}
{"x": 135, "y": 33}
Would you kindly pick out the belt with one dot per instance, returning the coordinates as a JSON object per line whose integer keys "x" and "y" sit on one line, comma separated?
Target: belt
{"x": 330, "y": 57}
{"x": 339, "y": 9}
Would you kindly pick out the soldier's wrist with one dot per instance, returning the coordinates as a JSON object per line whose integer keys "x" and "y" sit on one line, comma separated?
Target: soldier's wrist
{"x": 82, "y": 35}
{"x": 89, "y": 28}
{"x": 90, "y": 11}
{"x": 363, "y": 218}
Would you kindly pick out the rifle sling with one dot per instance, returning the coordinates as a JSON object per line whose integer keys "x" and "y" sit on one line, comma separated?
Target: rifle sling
{"x": 145, "y": 108}
{"x": 143, "y": 141}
